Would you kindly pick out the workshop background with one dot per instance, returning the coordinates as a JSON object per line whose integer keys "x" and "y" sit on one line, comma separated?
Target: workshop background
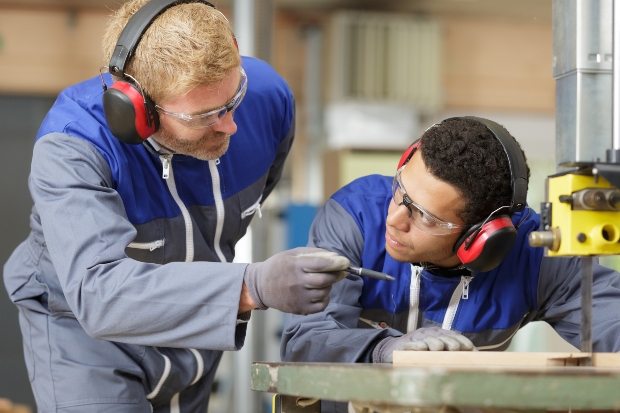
{"x": 368, "y": 78}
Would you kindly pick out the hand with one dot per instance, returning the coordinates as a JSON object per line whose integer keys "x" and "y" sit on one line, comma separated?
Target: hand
{"x": 295, "y": 281}
{"x": 422, "y": 339}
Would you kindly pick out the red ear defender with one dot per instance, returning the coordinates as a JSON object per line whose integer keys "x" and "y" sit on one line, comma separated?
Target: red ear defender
{"x": 409, "y": 153}
{"x": 131, "y": 116}
{"x": 482, "y": 248}
{"x": 485, "y": 245}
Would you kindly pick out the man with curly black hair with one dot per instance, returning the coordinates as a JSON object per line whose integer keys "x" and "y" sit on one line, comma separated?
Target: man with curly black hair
{"x": 463, "y": 174}
{"x": 465, "y": 154}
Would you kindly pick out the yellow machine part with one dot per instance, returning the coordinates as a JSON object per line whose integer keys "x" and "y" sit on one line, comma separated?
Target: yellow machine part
{"x": 601, "y": 228}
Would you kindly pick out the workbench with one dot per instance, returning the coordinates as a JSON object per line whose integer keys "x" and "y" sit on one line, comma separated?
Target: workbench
{"x": 495, "y": 387}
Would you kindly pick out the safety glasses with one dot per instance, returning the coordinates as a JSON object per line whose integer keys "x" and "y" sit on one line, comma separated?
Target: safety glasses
{"x": 210, "y": 118}
{"x": 419, "y": 217}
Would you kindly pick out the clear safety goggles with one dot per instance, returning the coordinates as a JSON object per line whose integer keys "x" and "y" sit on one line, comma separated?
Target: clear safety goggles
{"x": 419, "y": 217}
{"x": 210, "y": 118}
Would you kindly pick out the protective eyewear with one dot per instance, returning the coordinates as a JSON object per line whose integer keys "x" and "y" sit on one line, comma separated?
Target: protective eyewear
{"x": 419, "y": 217}
{"x": 210, "y": 118}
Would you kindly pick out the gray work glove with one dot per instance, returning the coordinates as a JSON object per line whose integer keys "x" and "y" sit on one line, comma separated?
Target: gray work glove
{"x": 296, "y": 281}
{"x": 422, "y": 339}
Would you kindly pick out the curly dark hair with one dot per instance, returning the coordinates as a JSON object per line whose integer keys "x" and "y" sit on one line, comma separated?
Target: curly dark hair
{"x": 465, "y": 154}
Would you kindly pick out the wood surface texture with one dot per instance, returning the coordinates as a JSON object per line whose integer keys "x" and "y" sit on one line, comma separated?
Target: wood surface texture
{"x": 497, "y": 358}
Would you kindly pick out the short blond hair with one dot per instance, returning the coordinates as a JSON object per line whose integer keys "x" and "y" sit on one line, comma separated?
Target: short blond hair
{"x": 188, "y": 45}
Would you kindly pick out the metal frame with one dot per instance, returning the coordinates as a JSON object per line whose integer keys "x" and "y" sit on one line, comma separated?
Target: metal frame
{"x": 565, "y": 388}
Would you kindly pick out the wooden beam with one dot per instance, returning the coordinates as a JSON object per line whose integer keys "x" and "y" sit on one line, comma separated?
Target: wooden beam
{"x": 500, "y": 358}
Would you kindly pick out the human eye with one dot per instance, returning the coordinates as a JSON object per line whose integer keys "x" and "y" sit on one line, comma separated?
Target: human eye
{"x": 211, "y": 115}
{"x": 206, "y": 119}
{"x": 425, "y": 219}
{"x": 232, "y": 105}
{"x": 214, "y": 117}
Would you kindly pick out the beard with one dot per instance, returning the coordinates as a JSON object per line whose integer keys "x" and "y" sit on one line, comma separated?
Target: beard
{"x": 205, "y": 148}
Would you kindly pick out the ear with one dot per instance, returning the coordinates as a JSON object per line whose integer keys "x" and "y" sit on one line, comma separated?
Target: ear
{"x": 484, "y": 247}
{"x": 131, "y": 116}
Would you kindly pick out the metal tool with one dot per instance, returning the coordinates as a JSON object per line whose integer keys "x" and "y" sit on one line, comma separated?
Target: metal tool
{"x": 582, "y": 214}
{"x": 582, "y": 218}
{"x": 364, "y": 272}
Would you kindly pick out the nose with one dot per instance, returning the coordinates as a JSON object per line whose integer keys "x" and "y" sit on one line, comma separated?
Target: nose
{"x": 398, "y": 217}
{"x": 226, "y": 124}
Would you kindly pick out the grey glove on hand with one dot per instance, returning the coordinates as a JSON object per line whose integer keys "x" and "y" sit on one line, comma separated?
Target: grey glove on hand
{"x": 295, "y": 281}
{"x": 422, "y": 339}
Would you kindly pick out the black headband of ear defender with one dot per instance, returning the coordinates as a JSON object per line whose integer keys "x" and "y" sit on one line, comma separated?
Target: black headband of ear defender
{"x": 135, "y": 28}
{"x": 516, "y": 161}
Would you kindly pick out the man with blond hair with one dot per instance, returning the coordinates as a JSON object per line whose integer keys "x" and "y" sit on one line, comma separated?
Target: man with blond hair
{"x": 142, "y": 185}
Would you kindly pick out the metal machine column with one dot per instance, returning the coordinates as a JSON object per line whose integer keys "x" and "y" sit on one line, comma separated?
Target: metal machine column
{"x": 244, "y": 26}
{"x": 613, "y": 154}
{"x": 580, "y": 217}
{"x": 582, "y": 67}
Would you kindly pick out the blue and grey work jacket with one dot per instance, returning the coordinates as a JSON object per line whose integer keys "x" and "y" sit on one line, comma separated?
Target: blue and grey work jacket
{"x": 488, "y": 308}
{"x": 133, "y": 245}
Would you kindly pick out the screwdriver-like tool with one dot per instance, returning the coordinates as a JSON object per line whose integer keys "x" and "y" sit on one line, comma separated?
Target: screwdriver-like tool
{"x": 364, "y": 272}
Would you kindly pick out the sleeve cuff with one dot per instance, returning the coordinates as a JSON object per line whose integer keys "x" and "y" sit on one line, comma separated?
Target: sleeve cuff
{"x": 243, "y": 318}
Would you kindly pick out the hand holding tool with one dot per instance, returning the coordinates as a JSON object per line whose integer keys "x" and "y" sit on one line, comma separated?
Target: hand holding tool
{"x": 295, "y": 281}
{"x": 364, "y": 272}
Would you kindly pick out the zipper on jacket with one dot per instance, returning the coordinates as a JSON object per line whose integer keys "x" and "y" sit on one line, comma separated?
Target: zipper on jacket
{"x": 168, "y": 175}
{"x": 175, "y": 406}
{"x": 460, "y": 292}
{"x": 219, "y": 208}
{"x": 200, "y": 365}
{"x": 254, "y": 208}
{"x": 165, "y": 163}
{"x": 414, "y": 298}
{"x": 466, "y": 280}
{"x": 162, "y": 379}
{"x": 151, "y": 246}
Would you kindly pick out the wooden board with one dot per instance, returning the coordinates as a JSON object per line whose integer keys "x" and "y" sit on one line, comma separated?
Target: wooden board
{"x": 497, "y": 358}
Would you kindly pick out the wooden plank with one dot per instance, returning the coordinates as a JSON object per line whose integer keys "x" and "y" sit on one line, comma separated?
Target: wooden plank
{"x": 606, "y": 359}
{"x": 498, "y": 358}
